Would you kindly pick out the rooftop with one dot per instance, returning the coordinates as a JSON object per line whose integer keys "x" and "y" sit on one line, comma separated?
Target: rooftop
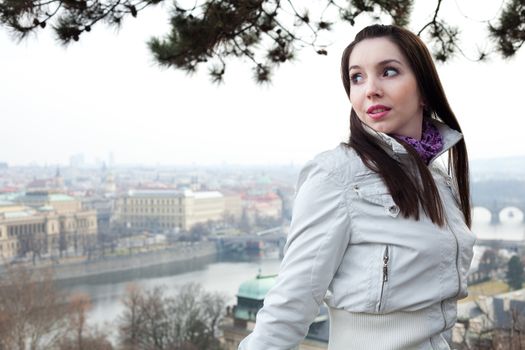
{"x": 44, "y": 196}
{"x": 256, "y": 288}
{"x": 154, "y": 193}
{"x": 57, "y": 197}
{"x": 13, "y": 208}
{"x": 17, "y": 212}
{"x": 207, "y": 194}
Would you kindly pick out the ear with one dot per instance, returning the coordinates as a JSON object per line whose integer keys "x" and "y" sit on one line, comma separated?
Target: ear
{"x": 426, "y": 111}
{"x": 424, "y": 105}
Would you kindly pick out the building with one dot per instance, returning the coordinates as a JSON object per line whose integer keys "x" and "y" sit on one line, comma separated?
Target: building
{"x": 59, "y": 202}
{"x": 150, "y": 209}
{"x": 103, "y": 205}
{"x": 43, "y": 223}
{"x": 232, "y": 206}
{"x": 55, "y": 183}
{"x": 201, "y": 207}
{"x": 240, "y": 319}
{"x": 492, "y": 322}
{"x": 263, "y": 205}
{"x": 161, "y": 210}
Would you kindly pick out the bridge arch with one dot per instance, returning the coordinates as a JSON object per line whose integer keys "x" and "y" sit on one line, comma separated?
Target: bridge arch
{"x": 481, "y": 215}
{"x": 508, "y": 215}
{"x": 511, "y": 215}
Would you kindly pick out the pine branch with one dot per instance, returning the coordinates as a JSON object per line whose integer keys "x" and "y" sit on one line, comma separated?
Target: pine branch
{"x": 265, "y": 32}
{"x": 509, "y": 33}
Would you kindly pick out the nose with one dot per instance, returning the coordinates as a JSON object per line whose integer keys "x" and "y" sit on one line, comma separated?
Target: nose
{"x": 373, "y": 88}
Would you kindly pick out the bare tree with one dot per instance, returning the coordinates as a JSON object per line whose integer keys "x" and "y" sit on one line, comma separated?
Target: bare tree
{"x": 79, "y": 304}
{"x": 32, "y": 314}
{"x": 199, "y": 231}
{"x": 130, "y": 320}
{"x": 189, "y": 320}
{"x": 145, "y": 321}
{"x": 34, "y": 243}
{"x": 80, "y": 336}
{"x": 196, "y": 316}
{"x": 489, "y": 332}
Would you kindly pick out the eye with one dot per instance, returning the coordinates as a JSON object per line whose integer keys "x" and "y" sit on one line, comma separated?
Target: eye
{"x": 356, "y": 78}
{"x": 390, "y": 72}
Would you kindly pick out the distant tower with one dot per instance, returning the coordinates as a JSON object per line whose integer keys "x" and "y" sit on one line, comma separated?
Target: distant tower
{"x": 111, "y": 160}
{"x": 107, "y": 180}
{"x": 194, "y": 183}
{"x": 58, "y": 181}
{"x": 110, "y": 185}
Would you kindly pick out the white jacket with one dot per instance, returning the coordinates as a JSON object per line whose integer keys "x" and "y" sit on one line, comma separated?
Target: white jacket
{"x": 349, "y": 246}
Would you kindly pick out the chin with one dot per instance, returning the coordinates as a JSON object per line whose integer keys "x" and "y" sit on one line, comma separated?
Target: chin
{"x": 382, "y": 128}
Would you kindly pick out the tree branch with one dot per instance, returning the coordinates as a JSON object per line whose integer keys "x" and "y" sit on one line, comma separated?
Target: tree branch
{"x": 210, "y": 28}
{"x": 433, "y": 21}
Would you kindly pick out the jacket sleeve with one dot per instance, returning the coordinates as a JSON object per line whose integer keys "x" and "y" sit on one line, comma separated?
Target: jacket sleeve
{"x": 318, "y": 238}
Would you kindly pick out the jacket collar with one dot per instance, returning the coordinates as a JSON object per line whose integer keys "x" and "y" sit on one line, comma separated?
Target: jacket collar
{"x": 395, "y": 149}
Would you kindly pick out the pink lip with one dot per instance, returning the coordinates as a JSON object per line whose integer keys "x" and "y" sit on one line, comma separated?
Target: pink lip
{"x": 371, "y": 111}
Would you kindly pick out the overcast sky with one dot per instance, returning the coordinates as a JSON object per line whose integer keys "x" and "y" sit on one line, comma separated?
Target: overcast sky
{"x": 105, "y": 94}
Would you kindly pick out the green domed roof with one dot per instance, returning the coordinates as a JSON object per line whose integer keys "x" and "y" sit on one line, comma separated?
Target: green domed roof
{"x": 46, "y": 208}
{"x": 60, "y": 197}
{"x": 257, "y": 288}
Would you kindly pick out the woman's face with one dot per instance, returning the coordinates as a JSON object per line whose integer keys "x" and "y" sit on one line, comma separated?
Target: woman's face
{"x": 383, "y": 89}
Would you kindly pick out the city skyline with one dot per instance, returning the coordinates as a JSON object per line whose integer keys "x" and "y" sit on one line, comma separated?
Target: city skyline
{"x": 104, "y": 94}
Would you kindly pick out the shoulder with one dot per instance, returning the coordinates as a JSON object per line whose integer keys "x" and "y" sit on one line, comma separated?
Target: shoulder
{"x": 336, "y": 164}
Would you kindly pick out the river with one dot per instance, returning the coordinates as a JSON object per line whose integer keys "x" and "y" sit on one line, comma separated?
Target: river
{"x": 215, "y": 274}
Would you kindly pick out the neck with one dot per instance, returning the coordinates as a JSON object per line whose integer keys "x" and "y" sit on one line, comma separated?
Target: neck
{"x": 428, "y": 144}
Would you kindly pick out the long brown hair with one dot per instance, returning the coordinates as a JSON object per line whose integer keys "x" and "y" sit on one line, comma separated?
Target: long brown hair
{"x": 407, "y": 190}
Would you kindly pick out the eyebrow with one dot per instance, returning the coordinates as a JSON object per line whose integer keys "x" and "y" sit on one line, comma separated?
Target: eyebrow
{"x": 382, "y": 63}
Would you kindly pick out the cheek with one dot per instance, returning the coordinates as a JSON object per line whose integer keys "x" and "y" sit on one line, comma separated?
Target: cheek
{"x": 355, "y": 100}
{"x": 407, "y": 94}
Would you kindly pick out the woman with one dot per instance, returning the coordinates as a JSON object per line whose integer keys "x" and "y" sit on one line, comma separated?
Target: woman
{"x": 380, "y": 231}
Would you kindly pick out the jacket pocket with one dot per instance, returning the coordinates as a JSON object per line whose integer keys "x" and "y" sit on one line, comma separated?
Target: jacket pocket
{"x": 377, "y": 194}
{"x": 384, "y": 281}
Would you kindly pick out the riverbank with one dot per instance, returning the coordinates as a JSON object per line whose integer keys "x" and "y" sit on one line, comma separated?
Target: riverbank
{"x": 127, "y": 267}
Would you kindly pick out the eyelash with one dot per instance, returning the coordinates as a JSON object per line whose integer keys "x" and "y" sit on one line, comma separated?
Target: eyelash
{"x": 390, "y": 68}
{"x": 353, "y": 77}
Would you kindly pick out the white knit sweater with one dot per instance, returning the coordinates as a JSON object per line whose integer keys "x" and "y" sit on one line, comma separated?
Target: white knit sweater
{"x": 393, "y": 331}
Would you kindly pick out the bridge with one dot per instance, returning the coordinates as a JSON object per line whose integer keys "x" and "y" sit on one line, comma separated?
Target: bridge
{"x": 255, "y": 241}
{"x": 498, "y": 211}
{"x": 498, "y": 194}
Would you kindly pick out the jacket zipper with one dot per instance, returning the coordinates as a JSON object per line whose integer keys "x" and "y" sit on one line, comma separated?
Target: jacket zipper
{"x": 457, "y": 271}
{"x": 385, "y": 276}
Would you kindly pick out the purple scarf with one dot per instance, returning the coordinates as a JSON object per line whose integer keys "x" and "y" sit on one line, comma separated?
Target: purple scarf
{"x": 431, "y": 142}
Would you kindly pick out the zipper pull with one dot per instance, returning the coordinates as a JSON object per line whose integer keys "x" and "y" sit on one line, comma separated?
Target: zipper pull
{"x": 385, "y": 266}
